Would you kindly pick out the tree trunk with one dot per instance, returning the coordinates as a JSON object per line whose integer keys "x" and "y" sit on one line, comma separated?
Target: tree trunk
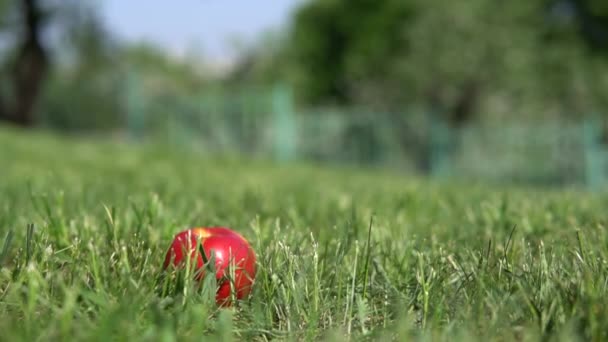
{"x": 464, "y": 107}
{"x": 29, "y": 69}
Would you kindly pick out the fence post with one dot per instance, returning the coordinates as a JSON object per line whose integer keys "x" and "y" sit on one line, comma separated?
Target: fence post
{"x": 284, "y": 123}
{"x": 440, "y": 139}
{"x": 134, "y": 106}
{"x": 594, "y": 154}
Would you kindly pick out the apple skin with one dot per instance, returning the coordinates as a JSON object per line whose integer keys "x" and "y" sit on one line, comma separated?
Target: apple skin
{"x": 228, "y": 247}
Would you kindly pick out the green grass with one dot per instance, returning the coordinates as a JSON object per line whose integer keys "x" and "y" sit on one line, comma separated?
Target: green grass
{"x": 84, "y": 227}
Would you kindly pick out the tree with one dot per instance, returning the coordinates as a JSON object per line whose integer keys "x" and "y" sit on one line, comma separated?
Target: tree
{"x": 462, "y": 59}
{"x": 59, "y": 47}
{"x": 82, "y": 91}
{"x": 342, "y": 50}
{"x": 592, "y": 18}
{"x": 29, "y": 66}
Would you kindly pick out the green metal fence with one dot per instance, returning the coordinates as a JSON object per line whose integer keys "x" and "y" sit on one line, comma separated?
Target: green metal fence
{"x": 265, "y": 122}
{"x": 530, "y": 152}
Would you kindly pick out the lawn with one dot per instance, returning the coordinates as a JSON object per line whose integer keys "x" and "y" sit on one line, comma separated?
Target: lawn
{"x": 342, "y": 254}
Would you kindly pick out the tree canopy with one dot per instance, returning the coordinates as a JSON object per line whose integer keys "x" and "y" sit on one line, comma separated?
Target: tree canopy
{"x": 463, "y": 58}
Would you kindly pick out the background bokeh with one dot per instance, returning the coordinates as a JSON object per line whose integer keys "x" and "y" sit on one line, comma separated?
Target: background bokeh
{"x": 510, "y": 92}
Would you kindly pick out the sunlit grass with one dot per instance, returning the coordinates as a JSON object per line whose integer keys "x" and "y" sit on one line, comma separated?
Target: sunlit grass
{"x": 84, "y": 227}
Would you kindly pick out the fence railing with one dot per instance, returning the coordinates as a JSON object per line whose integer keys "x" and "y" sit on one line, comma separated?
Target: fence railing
{"x": 265, "y": 122}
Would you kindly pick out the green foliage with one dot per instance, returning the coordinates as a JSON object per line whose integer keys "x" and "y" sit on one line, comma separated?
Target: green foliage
{"x": 593, "y": 23}
{"x": 461, "y": 58}
{"x": 336, "y": 44}
{"x": 342, "y": 254}
{"x": 87, "y": 98}
{"x": 85, "y": 90}
{"x": 83, "y": 65}
{"x": 88, "y": 88}
{"x": 261, "y": 64}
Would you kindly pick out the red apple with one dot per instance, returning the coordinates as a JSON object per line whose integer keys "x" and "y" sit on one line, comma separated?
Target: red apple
{"x": 228, "y": 247}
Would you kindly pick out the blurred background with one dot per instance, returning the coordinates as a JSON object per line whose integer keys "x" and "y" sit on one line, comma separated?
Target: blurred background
{"x": 495, "y": 91}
